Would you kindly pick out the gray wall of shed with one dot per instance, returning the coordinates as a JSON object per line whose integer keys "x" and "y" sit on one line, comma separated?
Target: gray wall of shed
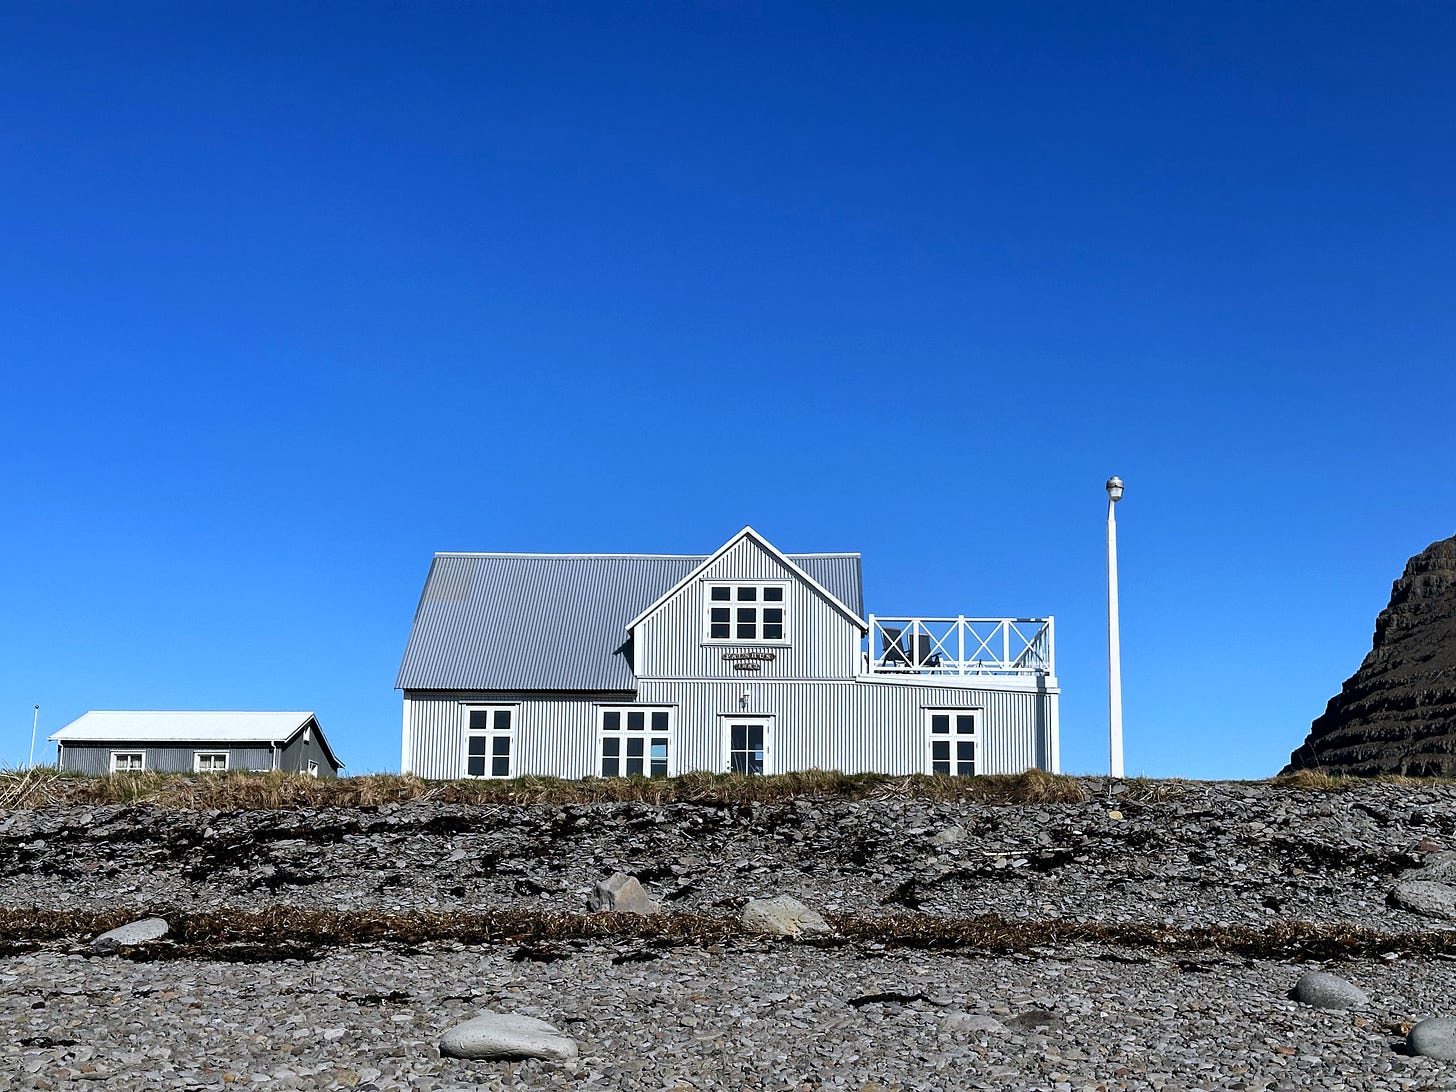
{"x": 95, "y": 758}
{"x": 295, "y": 756}
{"x": 853, "y": 726}
{"x": 822, "y": 642}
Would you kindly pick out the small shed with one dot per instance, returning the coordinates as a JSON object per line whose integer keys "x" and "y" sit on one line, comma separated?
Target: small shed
{"x": 175, "y": 741}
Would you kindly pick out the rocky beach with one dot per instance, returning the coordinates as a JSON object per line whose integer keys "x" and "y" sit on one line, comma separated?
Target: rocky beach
{"x": 1145, "y": 939}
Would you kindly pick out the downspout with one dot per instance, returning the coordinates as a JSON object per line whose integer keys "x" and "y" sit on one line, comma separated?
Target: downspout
{"x": 273, "y": 746}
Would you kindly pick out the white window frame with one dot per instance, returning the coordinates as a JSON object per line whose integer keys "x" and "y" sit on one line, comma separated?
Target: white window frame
{"x": 725, "y": 733}
{"x": 313, "y": 769}
{"x": 735, "y": 605}
{"x": 646, "y": 733}
{"x": 953, "y": 736}
{"x": 140, "y": 769}
{"x": 198, "y": 756}
{"x": 490, "y": 733}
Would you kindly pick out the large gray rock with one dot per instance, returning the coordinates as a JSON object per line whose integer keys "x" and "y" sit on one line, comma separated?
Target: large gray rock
{"x": 1437, "y": 866}
{"x": 507, "y": 1035}
{"x": 782, "y": 916}
{"x": 1433, "y": 1038}
{"x": 1329, "y": 991}
{"x": 135, "y": 932}
{"x": 624, "y": 894}
{"x": 1428, "y": 897}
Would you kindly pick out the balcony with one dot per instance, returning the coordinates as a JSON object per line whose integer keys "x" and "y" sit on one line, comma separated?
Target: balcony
{"x": 960, "y": 646}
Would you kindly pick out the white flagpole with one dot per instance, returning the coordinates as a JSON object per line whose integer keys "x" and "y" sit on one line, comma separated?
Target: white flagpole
{"x": 1114, "y": 650}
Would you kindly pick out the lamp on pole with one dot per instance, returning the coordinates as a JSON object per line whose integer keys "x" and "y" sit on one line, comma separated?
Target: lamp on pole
{"x": 1114, "y": 651}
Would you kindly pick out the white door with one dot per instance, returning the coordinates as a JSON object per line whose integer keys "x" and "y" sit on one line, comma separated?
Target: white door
{"x": 748, "y": 745}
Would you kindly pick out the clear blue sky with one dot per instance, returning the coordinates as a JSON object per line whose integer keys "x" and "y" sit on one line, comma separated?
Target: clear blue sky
{"x": 294, "y": 295}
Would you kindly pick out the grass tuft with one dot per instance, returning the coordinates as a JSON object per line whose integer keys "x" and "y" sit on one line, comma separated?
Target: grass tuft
{"x": 1319, "y": 781}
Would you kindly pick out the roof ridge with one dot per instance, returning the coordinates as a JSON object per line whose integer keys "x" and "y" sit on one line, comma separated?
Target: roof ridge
{"x": 645, "y": 557}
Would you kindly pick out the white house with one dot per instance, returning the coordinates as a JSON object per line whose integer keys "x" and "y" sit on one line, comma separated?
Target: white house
{"x": 748, "y": 660}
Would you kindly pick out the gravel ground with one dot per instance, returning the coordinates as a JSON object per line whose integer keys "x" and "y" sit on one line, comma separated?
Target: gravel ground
{"x": 1211, "y": 854}
{"x": 746, "y": 1016}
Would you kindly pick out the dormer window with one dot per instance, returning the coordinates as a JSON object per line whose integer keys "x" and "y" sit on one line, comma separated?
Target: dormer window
{"x": 745, "y": 612}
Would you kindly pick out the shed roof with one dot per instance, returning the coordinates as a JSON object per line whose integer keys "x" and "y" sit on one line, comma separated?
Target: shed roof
{"x": 555, "y": 621}
{"x": 188, "y": 726}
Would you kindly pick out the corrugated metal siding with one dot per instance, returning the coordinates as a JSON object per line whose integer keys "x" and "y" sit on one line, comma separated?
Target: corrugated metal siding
{"x": 555, "y": 735}
{"x": 823, "y": 643}
{"x": 295, "y": 757}
{"x": 850, "y": 726}
{"x": 96, "y": 758}
{"x": 537, "y": 622}
{"x": 855, "y": 727}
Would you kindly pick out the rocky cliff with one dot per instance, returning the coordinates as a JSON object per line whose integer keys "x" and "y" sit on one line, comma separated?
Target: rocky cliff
{"x": 1397, "y": 713}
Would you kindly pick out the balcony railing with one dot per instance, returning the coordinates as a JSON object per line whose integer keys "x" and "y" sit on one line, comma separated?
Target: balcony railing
{"x": 960, "y": 646}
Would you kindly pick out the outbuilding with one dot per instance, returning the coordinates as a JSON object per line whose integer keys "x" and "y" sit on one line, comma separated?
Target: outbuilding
{"x": 175, "y": 741}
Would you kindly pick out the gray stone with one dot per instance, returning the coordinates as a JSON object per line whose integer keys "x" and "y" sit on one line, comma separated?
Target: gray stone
{"x": 624, "y": 894}
{"x": 135, "y": 932}
{"x": 950, "y": 836}
{"x": 507, "y": 1035}
{"x": 1439, "y": 866}
{"x": 973, "y": 1021}
{"x": 1329, "y": 991}
{"x": 1434, "y": 1038}
{"x": 782, "y": 916}
{"x": 1427, "y": 897}
{"x": 1033, "y": 1019}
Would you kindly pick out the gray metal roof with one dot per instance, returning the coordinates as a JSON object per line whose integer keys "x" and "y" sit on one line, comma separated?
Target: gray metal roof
{"x": 554, "y": 621}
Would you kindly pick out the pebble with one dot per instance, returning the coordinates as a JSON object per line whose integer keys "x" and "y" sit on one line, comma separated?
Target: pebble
{"x": 507, "y": 1035}
{"x": 135, "y": 932}
{"x": 1434, "y": 1038}
{"x": 623, "y": 894}
{"x": 782, "y": 916}
{"x": 1429, "y": 898}
{"x": 1329, "y": 991}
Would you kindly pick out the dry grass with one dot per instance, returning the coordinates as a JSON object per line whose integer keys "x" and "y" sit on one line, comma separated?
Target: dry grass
{"x": 47, "y": 787}
{"x": 1319, "y": 781}
{"x": 282, "y": 931}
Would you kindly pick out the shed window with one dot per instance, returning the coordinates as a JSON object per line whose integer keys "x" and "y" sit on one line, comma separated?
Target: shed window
{"x": 951, "y": 742}
{"x": 210, "y": 761}
{"x": 745, "y": 612}
{"x": 313, "y": 769}
{"x": 635, "y": 742}
{"x": 127, "y": 761}
{"x": 490, "y": 737}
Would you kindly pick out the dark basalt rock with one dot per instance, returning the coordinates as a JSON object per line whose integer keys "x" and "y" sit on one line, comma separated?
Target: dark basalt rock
{"x": 1397, "y": 713}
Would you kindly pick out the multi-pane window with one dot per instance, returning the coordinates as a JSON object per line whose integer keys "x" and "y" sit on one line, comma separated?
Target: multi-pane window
{"x": 745, "y": 612}
{"x": 635, "y": 742}
{"x": 127, "y": 762}
{"x": 313, "y": 769}
{"x": 746, "y": 746}
{"x": 210, "y": 761}
{"x": 489, "y": 742}
{"x": 953, "y": 742}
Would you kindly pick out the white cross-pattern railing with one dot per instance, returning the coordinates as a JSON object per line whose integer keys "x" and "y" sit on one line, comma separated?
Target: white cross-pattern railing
{"x": 960, "y": 646}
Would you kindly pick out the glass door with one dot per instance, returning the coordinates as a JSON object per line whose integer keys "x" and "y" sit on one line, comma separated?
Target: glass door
{"x": 748, "y": 744}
